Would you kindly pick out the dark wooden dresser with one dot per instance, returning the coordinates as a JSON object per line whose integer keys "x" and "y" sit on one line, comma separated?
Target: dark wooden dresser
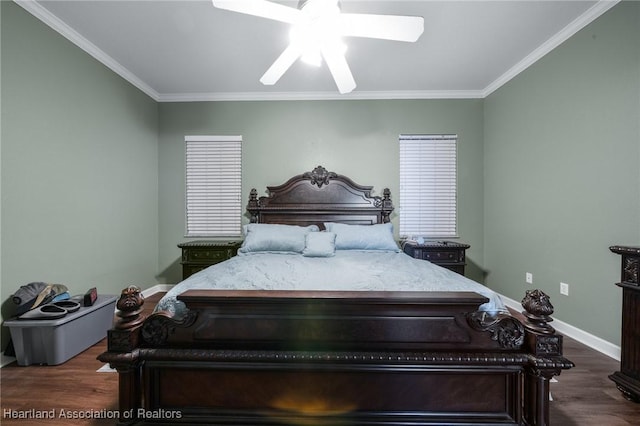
{"x": 199, "y": 255}
{"x": 628, "y": 378}
{"x": 448, "y": 254}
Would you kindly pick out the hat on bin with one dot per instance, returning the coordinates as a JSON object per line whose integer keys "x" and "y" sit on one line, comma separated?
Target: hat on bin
{"x": 35, "y": 294}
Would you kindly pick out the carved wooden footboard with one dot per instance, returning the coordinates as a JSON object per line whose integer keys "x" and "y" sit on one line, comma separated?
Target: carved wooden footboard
{"x": 362, "y": 358}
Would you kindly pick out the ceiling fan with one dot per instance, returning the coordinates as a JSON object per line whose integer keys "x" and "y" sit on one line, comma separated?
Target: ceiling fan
{"x": 317, "y": 30}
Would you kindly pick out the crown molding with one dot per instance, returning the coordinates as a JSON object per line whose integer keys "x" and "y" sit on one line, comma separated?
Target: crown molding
{"x": 37, "y": 10}
{"x": 567, "y": 32}
{"x": 316, "y": 96}
{"x": 40, "y": 12}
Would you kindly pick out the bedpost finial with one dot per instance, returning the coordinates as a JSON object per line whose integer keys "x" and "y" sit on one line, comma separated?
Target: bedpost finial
{"x": 252, "y": 206}
{"x": 538, "y": 309}
{"x": 129, "y": 308}
{"x": 387, "y": 205}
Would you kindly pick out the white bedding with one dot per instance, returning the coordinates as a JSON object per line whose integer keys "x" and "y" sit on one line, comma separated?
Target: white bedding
{"x": 352, "y": 270}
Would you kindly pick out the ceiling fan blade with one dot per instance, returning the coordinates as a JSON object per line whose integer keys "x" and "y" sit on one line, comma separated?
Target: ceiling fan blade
{"x": 262, "y": 8}
{"x": 281, "y": 65}
{"x": 387, "y": 27}
{"x": 339, "y": 69}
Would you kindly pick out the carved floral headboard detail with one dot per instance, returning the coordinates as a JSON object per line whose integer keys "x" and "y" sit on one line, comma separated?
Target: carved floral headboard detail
{"x": 319, "y": 176}
{"x": 320, "y": 196}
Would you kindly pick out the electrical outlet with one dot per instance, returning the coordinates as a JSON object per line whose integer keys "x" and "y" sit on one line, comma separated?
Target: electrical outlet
{"x": 528, "y": 277}
{"x": 564, "y": 289}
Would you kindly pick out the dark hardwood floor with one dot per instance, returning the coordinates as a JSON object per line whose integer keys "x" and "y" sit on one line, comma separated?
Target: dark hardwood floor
{"x": 583, "y": 396}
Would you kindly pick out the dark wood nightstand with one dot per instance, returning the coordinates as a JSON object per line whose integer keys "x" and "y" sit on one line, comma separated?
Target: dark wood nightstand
{"x": 448, "y": 254}
{"x": 199, "y": 255}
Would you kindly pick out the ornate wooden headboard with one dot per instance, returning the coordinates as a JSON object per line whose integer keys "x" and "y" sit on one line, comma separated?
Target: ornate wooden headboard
{"x": 319, "y": 196}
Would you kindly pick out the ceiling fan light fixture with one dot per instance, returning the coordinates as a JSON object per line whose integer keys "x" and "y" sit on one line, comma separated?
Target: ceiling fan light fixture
{"x": 313, "y": 58}
{"x": 317, "y": 30}
{"x": 312, "y": 39}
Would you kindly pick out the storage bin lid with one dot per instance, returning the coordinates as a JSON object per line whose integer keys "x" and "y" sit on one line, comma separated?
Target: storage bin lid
{"x": 101, "y": 302}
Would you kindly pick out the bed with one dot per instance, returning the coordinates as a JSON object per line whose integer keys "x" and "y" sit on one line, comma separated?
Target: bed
{"x": 350, "y": 340}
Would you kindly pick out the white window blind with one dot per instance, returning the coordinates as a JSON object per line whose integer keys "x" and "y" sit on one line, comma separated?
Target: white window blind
{"x": 213, "y": 186}
{"x": 428, "y": 186}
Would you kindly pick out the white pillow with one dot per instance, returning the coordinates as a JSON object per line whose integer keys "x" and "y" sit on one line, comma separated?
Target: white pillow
{"x": 274, "y": 237}
{"x": 363, "y": 237}
{"x": 320, "y": 244}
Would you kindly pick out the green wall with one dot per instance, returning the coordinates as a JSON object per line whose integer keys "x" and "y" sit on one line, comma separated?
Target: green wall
{"x": 92, "y": 170}
{"x": 355, "y": 138}
{"x": 79, "y": 167}
{"x": 562, "y": 181}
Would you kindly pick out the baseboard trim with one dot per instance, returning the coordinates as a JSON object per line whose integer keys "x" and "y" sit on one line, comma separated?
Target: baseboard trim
{"x": 158, "y": 288}
{"x": 588, "y": 339}
{"x": 6, "y": 360}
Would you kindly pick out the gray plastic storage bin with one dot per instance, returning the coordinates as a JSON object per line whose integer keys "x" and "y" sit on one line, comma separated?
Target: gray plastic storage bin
{"x": 53, "y": 342}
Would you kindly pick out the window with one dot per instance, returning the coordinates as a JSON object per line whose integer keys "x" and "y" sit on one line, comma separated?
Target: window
{"x": 428, "y": 186}
{"x": 213, "y": 186}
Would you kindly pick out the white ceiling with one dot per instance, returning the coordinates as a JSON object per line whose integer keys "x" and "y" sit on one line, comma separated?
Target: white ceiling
{"x": 188, "y": 50}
